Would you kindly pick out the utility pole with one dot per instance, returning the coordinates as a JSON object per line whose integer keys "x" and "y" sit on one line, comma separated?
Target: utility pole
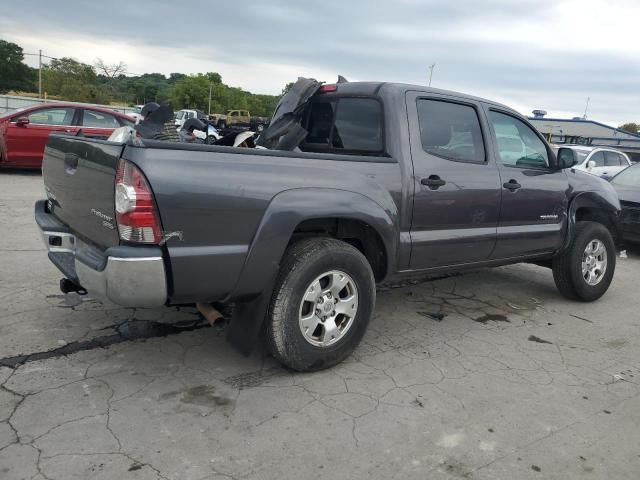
{"x": 40, "y": 55}
{"x": 39, "y": 73}
{"x": 431, "y": 67}
{"x": 210, "y": 87}
{"x": 584, "y": 117}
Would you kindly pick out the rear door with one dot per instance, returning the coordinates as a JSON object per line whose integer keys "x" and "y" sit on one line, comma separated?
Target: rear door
{"x": 25, "y": 143}
{"x": 97, "y": 124}
{"x": 533, "y": 215}
{"x": 456, "y": 183}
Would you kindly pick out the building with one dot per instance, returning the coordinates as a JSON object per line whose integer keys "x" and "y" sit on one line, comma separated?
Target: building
{"x": 586, "y": 132}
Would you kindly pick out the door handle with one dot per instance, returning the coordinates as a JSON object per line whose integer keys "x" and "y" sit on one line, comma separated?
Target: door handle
{"x": 434, "y": 182}
{"x": 512, "y": 185}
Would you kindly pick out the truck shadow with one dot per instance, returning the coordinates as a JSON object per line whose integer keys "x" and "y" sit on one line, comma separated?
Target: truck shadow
{"x": 633, "y": 250}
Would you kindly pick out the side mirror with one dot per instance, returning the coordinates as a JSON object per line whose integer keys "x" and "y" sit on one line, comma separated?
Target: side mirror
{"x": 22, "y": 121}
{"x": 566, "y": 158}
{"x": 591, "y": 164}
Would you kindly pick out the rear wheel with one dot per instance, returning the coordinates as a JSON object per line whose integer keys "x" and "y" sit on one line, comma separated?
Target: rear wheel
{"x": 321, "y": 305}
{"x": 585, "y": 271}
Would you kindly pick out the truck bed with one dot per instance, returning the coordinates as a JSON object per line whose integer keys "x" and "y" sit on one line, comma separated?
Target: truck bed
{"x": 212, "y": 200}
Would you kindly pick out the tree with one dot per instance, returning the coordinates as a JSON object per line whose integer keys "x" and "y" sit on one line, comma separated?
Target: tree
{"x": 193, "y": 92}
{"x": 176, "y": 77}
{"x": 69, "y": 79}
{"x": 14, "y": 74}
{"x": 286, "y": 89}
{"x": 630, "y": 127}
{"x": 112, "y": 70}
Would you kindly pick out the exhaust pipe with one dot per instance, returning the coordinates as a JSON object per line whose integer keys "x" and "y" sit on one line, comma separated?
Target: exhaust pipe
{"x": 68, "y": 286}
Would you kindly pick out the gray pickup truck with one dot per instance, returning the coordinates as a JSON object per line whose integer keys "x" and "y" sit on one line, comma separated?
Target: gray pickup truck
{"x": 355, "y": 184}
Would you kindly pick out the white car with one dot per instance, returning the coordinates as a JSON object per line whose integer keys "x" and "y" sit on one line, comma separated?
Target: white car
{"x": 183, "y": 115}
{"x": 600, "y": 161}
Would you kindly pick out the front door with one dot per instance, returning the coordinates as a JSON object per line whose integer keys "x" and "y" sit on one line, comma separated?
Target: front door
{"x": 456, "y": 183}
{"x": 25, "y": 143}
{"x": 533, "y": 216}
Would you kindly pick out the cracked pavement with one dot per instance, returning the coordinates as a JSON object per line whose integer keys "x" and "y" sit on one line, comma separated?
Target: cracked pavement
{"x": 487, "y": 375}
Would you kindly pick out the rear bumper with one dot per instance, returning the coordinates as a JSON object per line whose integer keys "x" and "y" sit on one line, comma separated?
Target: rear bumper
{"x": 126, "y": 276}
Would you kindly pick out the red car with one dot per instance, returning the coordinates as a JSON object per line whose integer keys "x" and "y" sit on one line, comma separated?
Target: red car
{"x": 24, "y": 134}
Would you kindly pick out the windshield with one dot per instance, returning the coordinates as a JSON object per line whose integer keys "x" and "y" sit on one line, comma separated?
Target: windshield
{"x": 629, "y": 177}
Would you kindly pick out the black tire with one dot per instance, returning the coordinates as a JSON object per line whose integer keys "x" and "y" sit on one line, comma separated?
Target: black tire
{"x": 222, "y": 124}
{"x": 303, "y": 262}
{"x": 567, "y": 268}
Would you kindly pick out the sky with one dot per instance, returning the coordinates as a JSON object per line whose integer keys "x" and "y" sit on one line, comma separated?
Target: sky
{"x": 547, "y": 54}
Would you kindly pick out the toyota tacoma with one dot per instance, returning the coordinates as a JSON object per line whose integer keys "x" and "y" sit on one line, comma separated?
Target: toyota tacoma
{"x": 351, "y": 185}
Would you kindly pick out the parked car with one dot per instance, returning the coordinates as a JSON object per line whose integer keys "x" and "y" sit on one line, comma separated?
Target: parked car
{"x": 600, "y": 161}
{"x": 354, "y": 184}
{"x": 627, "y": 184}
{"x": 239, "y": 119}
{"x": 186, "y": 114}
{"x": 24, "y": 134}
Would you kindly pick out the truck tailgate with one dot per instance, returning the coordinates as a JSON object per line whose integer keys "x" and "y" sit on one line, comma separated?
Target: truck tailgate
{"x": 79, "y": 178}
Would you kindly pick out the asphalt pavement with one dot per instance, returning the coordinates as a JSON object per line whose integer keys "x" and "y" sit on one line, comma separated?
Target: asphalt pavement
{"x": 487, "y": 375}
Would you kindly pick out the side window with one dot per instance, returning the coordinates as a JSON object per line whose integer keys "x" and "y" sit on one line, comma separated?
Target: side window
{"x": 52, "y": 116}
{"x": 344, "y": 125}
{"x": 450, "y": 130}
{"x": 518, "y": 144}
{"x": 93, "y": 118}
{"x": 598, "y": 158}
{"x": 613, "y": 159}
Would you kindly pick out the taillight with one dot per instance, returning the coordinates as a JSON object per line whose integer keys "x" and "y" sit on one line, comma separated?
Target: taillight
{"x": 136, "y": 212}
{"x": 330, "y": 87}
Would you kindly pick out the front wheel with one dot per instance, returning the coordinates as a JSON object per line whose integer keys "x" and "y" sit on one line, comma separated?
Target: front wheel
{"x": 585, "y": 271}
{"x": 322, "y": 303}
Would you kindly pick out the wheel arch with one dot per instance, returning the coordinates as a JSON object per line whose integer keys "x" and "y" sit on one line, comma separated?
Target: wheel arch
{"x": 302, "y": 213}
{"x": 589, "y": 206}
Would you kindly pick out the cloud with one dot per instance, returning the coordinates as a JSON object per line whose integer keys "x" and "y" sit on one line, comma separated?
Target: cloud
{"x": 527, "y": 54}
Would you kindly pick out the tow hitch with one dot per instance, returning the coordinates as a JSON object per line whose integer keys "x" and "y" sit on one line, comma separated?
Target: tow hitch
{"x": 68, "y": 286}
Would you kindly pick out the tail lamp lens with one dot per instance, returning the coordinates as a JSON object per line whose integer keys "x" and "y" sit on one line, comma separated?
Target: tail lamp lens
{"x": 136, "y": 213}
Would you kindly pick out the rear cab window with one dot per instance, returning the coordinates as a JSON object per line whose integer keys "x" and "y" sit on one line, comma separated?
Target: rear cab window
{"x": 345, "y": 125}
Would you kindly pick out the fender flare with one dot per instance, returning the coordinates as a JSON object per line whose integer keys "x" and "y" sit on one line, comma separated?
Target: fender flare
{"x": 597, "y": 202}
{"x": 285, "y": 212}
